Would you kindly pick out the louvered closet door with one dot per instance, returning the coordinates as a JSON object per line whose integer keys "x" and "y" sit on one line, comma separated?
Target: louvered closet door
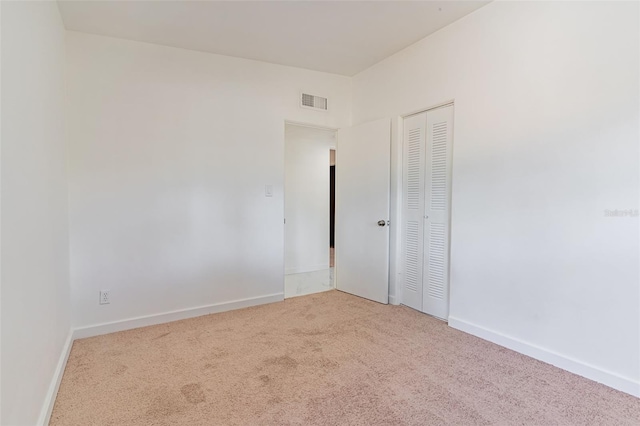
{"x": 414, "y": 191}
{"x": 435, "y": 298}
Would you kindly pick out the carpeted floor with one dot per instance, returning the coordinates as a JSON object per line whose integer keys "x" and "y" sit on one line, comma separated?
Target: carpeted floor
{"x": 325, "y": 359}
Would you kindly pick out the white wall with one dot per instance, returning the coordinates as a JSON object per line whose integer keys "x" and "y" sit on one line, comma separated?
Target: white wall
{"x": 306, "y": 204}
{"x": 170, "y": 152}
{"x": 546, "y": 139}
{"x": 35, "y": 262}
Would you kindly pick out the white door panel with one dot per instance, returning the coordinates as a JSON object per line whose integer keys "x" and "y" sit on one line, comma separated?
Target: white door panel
{"x": 363, "y": 162}
{"x": 435, "y": 296}
{"x": 413, "y": 205}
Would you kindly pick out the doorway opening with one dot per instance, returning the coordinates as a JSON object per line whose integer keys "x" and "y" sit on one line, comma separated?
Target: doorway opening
{"x": 309, "y": 206}
{"x": 332, "y": 208}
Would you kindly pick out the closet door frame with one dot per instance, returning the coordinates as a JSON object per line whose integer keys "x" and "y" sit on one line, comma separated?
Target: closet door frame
{"x": 399, "y": 135}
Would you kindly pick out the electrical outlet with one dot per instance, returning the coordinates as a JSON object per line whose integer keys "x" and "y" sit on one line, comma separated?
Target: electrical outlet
{"x": 104, "y": 297}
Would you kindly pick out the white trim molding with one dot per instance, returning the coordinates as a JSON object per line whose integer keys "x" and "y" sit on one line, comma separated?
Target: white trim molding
{"x": 161, "y": 318}
{"x": 564, "y": 362}
{"x": 50, "y": 398}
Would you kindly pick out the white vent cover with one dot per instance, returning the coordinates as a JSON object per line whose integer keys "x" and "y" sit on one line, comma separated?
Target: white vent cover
{"x": 315, "y": 102}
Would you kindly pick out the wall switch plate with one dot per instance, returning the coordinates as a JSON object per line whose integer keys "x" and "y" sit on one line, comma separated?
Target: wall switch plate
{"x": 268, "y": 190}
{"x": 104, "y": 297}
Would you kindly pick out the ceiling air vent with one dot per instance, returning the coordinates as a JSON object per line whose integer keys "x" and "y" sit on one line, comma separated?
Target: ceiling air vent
{"x": 315, "y": 102}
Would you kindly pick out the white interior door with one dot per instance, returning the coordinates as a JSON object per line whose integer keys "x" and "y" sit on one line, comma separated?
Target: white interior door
{"x": 435, "y": 295}
{"x": 363, "y": 165}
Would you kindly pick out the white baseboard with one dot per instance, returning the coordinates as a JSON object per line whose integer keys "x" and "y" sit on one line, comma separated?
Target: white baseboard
{"x": 303, "y": 269}
{"x": 572, "y": 365}
{"x": 50, "y": 398}
{"x": 147, "y": 320}
{"x": 393, "y": 300}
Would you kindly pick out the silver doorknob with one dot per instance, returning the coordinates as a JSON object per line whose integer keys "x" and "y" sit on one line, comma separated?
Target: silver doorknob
{"x": 382, "y": 222}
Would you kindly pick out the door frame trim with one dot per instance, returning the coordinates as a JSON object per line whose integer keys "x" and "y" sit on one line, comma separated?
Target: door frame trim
{"x": 311, "y": 126}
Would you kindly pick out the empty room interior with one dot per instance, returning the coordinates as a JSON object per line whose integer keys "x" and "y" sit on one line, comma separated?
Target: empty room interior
{"x": 319, "y": 213}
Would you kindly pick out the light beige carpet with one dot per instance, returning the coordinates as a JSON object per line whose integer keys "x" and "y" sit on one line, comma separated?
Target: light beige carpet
{"x": 325, "y": 359}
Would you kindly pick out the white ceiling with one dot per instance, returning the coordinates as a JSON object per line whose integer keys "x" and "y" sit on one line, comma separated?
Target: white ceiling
{"x": 342, "y": 37}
